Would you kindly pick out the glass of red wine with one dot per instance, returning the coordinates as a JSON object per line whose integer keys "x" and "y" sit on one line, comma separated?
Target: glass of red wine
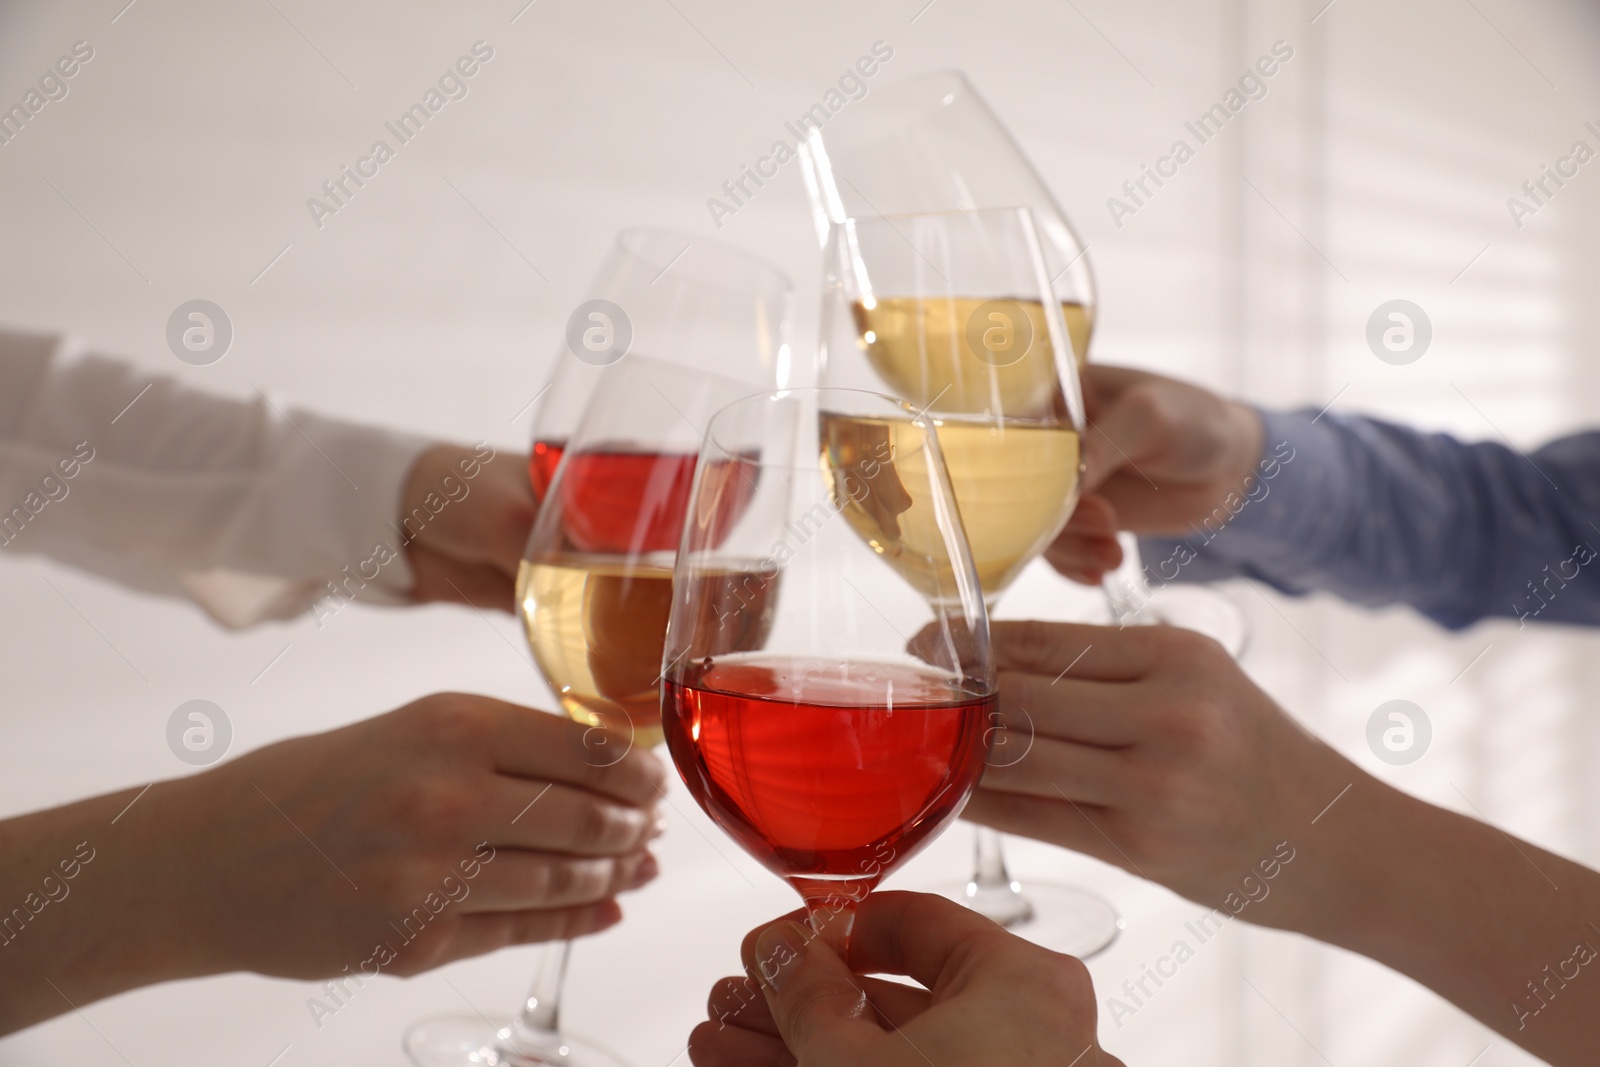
{"x": 672, "y": 296}
{"x": 827, "y": 676}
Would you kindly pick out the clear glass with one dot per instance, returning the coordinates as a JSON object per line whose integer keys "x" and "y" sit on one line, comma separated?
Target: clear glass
{"x": 684, "y": 299}
{"x": 956, "y": 312}
{"x": 707, "y": 323}
{"x": 828, "y": 680}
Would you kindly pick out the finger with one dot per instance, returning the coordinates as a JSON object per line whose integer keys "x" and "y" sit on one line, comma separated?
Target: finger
{"x": 550, "y": 817}
{"x": 1056, "y": 649}
{"x": 712, "y": 1045}
{"x": 815, "y": 1000}
{"x": 556, "y": 749}
{"x": 1060, "y": 770}
{"x": 1084, "y": 560}
{"x": 473, "y": 935}
{"x": 916, "y": 934}
{"x": 518, "y": 880}
{"x": 738, "y": 1002}
{"x": 1063, "y": 822}
{"x": 1066, "y": 709}
{"x": 440, "y": 579}
{"x": 1119, "y": 437}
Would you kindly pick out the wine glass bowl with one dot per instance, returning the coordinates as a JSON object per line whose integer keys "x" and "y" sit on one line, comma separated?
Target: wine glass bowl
{"x": 825, "y": 701}
{"x": 595, "y": 586}
{"x": 932, "y": 143}
{"x": 673, "y": 296}
{"x": 952, "y": 311}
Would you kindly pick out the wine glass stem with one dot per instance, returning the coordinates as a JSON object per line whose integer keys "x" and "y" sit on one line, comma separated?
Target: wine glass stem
{"x": 989, "y": 860}
{"x": 1125, "y": 588}
{"x": 992, "y": 892}
{"x": 536, "y": 1030}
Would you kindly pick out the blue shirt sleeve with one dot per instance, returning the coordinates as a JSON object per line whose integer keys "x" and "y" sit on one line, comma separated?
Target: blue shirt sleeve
{"x": 1381, "y": 514}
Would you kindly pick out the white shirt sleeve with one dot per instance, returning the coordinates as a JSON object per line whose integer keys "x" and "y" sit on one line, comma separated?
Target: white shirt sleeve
{"x": 248, "y": 508}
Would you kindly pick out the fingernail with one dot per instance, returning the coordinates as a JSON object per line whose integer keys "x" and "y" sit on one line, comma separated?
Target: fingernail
{"x": 659, "y": 827}
{"x": 778, "y": 953}
{"x": 646, "y": 871}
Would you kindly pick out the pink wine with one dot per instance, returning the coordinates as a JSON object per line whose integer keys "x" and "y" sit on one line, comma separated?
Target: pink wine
{"x": 830, "y": 773}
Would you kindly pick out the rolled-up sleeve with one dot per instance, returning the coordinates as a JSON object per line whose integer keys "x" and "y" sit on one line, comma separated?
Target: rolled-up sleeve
{"x": 1379, "y": 514}
{"x": 248, "y": 507}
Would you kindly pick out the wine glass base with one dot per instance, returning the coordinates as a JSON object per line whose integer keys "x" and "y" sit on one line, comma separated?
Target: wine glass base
{"x": 1061, "y": 918}
{"x": 471, "y": 1041}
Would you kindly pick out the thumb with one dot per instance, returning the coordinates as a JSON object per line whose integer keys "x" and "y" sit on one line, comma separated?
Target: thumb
{"x": 815, "y": 1000}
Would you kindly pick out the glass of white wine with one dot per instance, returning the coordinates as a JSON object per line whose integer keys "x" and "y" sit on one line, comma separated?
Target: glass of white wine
{"x": 954, "y": 312}
{"x": 932, "y": 143}
{"x": 682, "y": 320}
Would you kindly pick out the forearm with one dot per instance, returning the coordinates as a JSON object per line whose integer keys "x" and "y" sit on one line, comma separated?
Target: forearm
{"x": 1380, "y": 514}
{"x": 92, "y": 906}
{"x": 1506, "y": 931}
{"x": 244, "y": 505}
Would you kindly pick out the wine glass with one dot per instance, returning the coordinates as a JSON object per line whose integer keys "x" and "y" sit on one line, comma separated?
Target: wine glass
{"x": 674, "y": 296}
{"x": 828, "y": 680}
{"x": 694, "y": 306}
{"x": 931, "y": 143}
{"x": 954, "y": 311}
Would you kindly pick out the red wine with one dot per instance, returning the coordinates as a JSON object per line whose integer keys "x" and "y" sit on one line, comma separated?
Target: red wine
{"x": 621, "y": 502}
{"x": 542, "y": 464}
{"x": 829, "y": 773}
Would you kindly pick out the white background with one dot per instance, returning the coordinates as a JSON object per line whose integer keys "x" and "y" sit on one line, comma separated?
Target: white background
{"x": 1378, "y": 166}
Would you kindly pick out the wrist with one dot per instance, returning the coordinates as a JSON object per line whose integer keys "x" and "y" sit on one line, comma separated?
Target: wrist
{"x": 92, "y": 879}
{"x": 1248, "y": 436}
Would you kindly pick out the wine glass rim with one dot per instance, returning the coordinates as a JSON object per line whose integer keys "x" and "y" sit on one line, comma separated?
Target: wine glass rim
{"x": 893, "y": 216}
{"x": 632, "y": 240}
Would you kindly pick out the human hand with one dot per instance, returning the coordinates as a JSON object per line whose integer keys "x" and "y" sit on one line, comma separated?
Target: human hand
{"x": 1160, "y": 454}
{"x": 466, "y": 514}
{"x": 1151, "y": 750}
{"x": 991, "y": 999}
{"x": 452, "y": 827}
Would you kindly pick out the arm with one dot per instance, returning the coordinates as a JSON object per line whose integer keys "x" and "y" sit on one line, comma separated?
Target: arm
{"x": 387, "y": 847}
{"x": 1156, "y": 741}
{"x": 1373, "y": 512}
{"x": 251, "y": 510}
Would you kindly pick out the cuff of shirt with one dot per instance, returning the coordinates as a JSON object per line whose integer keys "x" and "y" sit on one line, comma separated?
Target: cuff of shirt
{"x": 1279, "y": 526}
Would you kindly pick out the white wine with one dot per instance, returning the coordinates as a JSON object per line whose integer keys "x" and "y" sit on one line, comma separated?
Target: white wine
{"x": 1015, "y": 483}
{"x": 1009, "y": 442}
{"x": 923, "y": 349}
{"x": 1080, "y": 326}
{"x": 596, "y": 625}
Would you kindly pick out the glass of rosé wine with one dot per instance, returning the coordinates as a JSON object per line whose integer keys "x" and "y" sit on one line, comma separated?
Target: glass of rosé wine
{"x": 828, "y": 683}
